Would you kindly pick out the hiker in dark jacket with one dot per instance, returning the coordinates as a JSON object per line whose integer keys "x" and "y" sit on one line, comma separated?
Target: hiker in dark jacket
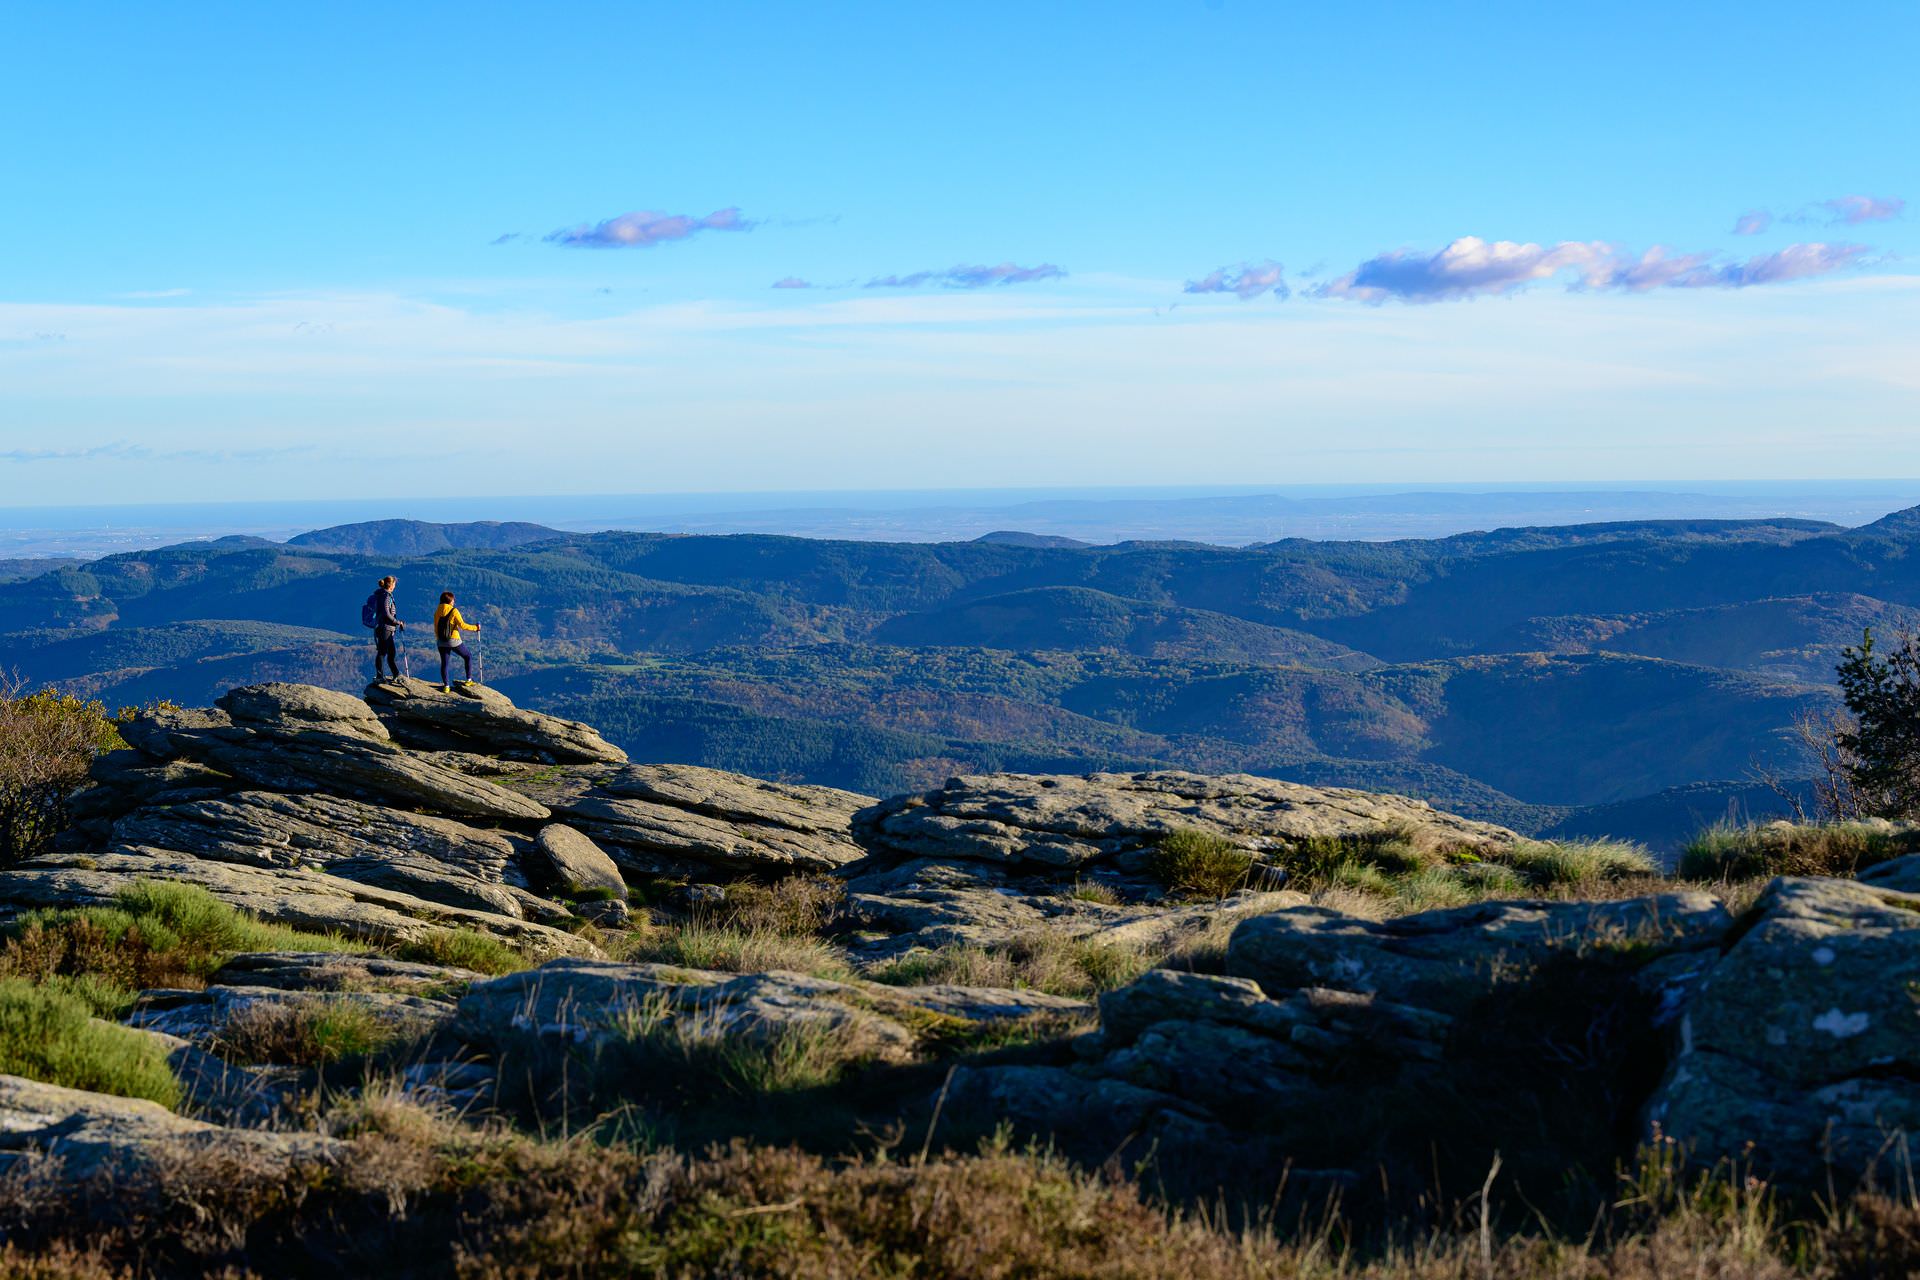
{"x": 386, "y": 625}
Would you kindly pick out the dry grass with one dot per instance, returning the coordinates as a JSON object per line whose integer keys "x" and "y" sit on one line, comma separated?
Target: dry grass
{"x": 752, "y": 928}
{"x": 1040, "y": 961}
{"x": 464, "y": 949}
{"x": 1734, "y": 853}
{"x": 160, "y": 934}
{"x": 309, "y": 1033}
{"x": 465, "y": 1203}
{"x": 1199, "y": 864}
{"x": 729, "y": 950}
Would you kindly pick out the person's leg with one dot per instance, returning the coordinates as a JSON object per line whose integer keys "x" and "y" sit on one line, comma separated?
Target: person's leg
{"x": 384, "y": 648}
{"x": 445, "y": 652}
{"x": 466, "y": 659}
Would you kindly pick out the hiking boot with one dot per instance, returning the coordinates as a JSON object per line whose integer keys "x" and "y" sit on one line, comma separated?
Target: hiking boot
{"x": 445, "y": 688}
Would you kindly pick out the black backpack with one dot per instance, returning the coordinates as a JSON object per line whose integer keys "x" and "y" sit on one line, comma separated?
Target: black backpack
{"x": 370, "y": 612}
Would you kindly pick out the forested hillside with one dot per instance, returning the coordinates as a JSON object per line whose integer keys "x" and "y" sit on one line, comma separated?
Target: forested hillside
{"x": 1631, "y": 674}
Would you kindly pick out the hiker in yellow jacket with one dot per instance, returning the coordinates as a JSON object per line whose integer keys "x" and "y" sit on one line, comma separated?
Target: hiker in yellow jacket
{"x": 447, "y": 626}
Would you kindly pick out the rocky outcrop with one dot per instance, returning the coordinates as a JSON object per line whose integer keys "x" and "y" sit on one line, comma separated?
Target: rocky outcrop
{"x": 1073, "y": 821}
{"x": 1800, "y": 1052}
{"x": 306, "y": 755}
{"x": 93, "y": 1134}
{"x": 656, "y": 818}
{"x": 474, "y": 718}
{"x": 307, "y": 900}
{"x": 337, "y": 971}
{"x": 1447, "y": 960}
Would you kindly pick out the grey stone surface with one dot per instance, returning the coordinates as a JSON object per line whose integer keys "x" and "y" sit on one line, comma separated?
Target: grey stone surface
{"x": 1069, "y": 821}
{"x": 299, "y": 753}
{"x": 90, "y": 1134}
{"x": 476, "y": 718}
{"x": 1446, "y": 960}
{"x": 307, "y": 900}
{"x": 279, "y": 707}
{"x": 1804, "y": 1040}
{"x": 217, "y": 1018}
{"x": 697, "y": 817}
{"x": 268, "y": 829}
{"x": 573, "y": 862}
{"x": 335, "y": 971}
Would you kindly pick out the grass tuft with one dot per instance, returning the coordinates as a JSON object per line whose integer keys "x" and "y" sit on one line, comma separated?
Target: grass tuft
{"x": 1726, "y": 852}
{"x": 1199, "y": 864}
{"x": 464, "y": 949}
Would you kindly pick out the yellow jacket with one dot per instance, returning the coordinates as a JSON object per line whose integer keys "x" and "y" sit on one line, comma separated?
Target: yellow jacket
{"x": 448, "y": 624}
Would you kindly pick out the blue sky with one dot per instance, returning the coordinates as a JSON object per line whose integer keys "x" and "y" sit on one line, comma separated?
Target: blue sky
{"x": 263, "y": 251}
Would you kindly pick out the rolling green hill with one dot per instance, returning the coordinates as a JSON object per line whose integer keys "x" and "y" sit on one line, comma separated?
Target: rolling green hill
{"x": 1526, "y": 675}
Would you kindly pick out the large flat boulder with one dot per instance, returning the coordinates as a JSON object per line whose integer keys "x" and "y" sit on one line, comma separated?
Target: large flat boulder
{"x": 1800, "y": 1053}
{"x": 308, "y": 900}
{"x": 1447, "y": 960}
{"x": 1068, "y": 820}
{"x": 92, "y": 1134}
{"x": 473, "y": 717}
{"x": 280, "y": 707}
{"x": 653, "y": 817}
{"x": 588, "y": 1002}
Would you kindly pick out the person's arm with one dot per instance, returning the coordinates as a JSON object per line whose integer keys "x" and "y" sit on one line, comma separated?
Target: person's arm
{"x": 393, "y": 615}
{"x": 462, "y": 623}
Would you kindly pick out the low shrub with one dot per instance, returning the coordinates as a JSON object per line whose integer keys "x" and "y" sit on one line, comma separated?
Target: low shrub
{"x": 1040, "y": 961}
{"x": 49, "y": 1034}
{"x": 795, "y": 907}
{"x": 463, "y": 949}
{"x": 1199, "y": 864}
{"x": 159, "y": 934}
{"x": 1726, "y": 852}
{"x": 307, "y": 1033}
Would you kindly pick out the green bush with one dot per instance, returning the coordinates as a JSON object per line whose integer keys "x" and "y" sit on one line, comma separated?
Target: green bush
{"x": 464, "y": 949}
{"x": 49, "y": 1034}
{"x": 160, "y": 933}
{"x": 1199, "y": 864}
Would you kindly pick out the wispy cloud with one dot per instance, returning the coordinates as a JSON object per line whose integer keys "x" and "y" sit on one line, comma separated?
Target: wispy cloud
{"x": 117, "y": 449}
{"x": 792, "y": 282}
{"x": 507, "y": 238}
{"x": 1851, "y": 211}
{"x": 1248, "y": 280}
{"x": 1471, "y": 267}
{"x": 644, "y": 228}
{"x": 1752, "y": 222}
{"x": 963, "y": 277}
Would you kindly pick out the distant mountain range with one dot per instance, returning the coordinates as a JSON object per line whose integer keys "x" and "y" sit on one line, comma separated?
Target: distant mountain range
{"x": 1623, "y": 678}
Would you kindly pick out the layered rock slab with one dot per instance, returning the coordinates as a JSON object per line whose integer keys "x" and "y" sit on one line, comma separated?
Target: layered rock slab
{"x": 301, "y": 899}
{"x": 91, "y": 1134}
{"x": 667, "y": 818}
{"x": 474, "y": 718}
{"x": 1069, "y": 821}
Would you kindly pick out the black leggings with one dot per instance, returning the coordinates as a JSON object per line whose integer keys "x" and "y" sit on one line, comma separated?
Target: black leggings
{"x": 383, "y": 647}
{"x": 466, "y": 656}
